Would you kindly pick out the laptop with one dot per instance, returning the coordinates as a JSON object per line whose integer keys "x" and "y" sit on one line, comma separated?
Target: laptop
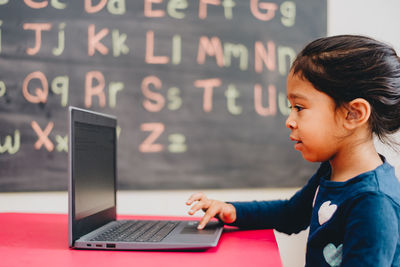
{"x": 92, "y": 222}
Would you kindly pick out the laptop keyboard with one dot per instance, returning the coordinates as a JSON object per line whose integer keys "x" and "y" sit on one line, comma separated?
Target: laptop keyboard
{"x": 137, "y": 231}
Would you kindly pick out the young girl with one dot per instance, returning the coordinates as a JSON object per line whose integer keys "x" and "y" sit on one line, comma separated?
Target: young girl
{"x": 342, "y": 90}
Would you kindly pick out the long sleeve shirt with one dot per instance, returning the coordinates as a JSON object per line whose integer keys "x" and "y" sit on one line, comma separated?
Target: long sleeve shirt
{"x": 352, "y": 223}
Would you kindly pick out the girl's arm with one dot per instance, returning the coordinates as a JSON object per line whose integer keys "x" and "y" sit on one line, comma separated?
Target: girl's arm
{"x": 288, "y": 216}
{"x": 371, "y": 232}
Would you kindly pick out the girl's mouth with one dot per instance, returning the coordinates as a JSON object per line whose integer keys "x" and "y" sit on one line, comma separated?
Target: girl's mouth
{"x": 298, "y": 145}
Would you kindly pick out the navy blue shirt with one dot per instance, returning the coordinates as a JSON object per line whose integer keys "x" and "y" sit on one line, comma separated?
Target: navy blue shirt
{"x": 352, "y": 223}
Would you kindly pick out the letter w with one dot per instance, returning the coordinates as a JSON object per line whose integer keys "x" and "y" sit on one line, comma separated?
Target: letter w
{"x": 7, "y": 146}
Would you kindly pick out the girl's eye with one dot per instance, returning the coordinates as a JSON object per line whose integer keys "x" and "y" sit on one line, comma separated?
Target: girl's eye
{"x": 297, "y": 107}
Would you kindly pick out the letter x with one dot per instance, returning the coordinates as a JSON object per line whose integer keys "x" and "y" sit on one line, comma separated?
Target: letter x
{"x": 43, "y": 136}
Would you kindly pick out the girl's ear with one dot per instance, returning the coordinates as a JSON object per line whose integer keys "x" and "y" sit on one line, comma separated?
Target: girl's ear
{"x": 357, "y": 113}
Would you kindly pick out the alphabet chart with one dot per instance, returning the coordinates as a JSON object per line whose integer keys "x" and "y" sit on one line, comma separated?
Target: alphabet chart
{"x": 198, "y": 86}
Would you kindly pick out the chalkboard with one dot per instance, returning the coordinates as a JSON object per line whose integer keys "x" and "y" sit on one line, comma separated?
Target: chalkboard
{"x": 198, "y": 88}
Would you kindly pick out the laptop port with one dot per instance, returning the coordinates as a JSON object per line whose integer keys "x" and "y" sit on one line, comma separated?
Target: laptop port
{"x": 89, "y": 245}
{"x": 98, "y": 245}
{"x": 110, "y": 245}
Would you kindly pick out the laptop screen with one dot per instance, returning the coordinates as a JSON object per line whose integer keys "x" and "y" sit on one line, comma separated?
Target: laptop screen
{"x": 92, "y": 168}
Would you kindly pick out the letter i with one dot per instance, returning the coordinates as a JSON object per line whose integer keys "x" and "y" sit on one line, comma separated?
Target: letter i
{"x": 61, "y": 40}
{"x": 1, "y": 23}
{"x": 176, "y": 49}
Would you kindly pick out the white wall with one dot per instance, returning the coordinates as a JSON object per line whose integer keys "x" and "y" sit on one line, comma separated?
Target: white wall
{"x": 377, "y": 19}
{"x": 380, "y": 20}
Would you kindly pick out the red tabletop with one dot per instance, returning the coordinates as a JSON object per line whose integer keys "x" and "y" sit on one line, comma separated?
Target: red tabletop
{"x": 42, "y": 240}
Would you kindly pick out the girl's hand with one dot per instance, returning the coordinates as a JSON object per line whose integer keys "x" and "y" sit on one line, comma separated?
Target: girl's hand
{"x": 226, "y": 212}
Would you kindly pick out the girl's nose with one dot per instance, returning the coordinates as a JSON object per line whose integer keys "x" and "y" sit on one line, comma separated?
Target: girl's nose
{"x": 290, "y": 123}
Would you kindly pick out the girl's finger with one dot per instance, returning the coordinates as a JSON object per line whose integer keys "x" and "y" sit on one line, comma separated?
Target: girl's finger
{"x": 195, "y": 197}
{"x": 211, "y": 212}
{"x": 199, "y": 205}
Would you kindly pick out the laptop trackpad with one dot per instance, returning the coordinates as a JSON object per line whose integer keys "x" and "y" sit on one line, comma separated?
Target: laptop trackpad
{"x": 191, "y": 228}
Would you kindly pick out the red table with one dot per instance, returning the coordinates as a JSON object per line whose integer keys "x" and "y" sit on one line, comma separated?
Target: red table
{"x": 41, "y": 240}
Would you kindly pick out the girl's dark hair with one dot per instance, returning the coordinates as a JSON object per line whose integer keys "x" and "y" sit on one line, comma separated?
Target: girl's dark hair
{"x": 347, "y": 67}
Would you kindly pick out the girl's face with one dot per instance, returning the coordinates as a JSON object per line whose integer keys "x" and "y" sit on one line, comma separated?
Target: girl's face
{"x": 313, "y": 122}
